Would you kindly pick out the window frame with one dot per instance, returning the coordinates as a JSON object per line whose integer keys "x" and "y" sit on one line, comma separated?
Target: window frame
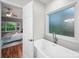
{"x": 47, "y": 22}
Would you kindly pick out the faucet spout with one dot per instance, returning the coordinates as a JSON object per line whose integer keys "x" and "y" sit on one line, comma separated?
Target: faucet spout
{"x": 54, "y": 38}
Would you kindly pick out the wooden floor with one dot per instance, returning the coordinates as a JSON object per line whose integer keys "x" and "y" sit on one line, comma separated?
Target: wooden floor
{"x": 12, "y": 52}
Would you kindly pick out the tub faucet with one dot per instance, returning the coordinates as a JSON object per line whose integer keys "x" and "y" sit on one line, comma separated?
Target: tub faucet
{"x": 54, "y": 37}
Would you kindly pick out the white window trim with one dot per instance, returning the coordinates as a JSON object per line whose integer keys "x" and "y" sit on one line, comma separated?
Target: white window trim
{"x": 47, "y": 23}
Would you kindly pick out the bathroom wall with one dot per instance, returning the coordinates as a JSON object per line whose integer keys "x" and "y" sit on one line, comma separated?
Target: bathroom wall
{"x": 38, "y": 17}
{"x": 65, "y": 41}
{"x": 0, "y": 29}
{"x": 33, "y": 25}
{"x": 77, "y": 21}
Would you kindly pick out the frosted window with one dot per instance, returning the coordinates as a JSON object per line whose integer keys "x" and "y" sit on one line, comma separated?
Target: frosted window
{"x": 62, "y": 22}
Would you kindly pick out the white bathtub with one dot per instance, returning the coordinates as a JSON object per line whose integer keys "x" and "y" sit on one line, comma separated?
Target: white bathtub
{"x": 47, "y": 49}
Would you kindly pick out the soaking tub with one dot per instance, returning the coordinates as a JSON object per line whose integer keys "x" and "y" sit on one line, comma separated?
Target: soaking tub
{"x": 47, "y": 49}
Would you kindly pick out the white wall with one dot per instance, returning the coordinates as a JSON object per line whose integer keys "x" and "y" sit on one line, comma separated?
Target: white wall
{"x": 77, "y": 22}
{"x": 68, "y": 42}
{"x": 0, "y": 29}
{"x": 33, "y": 25}
{"x": 28, "y": 30}
{"x": 39, "y": 18}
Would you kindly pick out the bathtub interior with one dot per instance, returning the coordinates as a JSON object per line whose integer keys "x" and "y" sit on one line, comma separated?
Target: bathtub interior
{"x": 52, "y": 50}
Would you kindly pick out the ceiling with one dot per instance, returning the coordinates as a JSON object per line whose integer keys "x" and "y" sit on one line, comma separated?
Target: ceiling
{"x": 20, "y": 3}
{"x": 48, "y": 1}
{"x": 45, "y": 1}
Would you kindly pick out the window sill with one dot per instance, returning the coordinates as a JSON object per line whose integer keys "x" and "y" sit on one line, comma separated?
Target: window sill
{"x": 61, "y": 37}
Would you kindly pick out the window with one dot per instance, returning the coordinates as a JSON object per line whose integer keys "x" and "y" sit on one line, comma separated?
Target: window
{"x": 62, "y": 22}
